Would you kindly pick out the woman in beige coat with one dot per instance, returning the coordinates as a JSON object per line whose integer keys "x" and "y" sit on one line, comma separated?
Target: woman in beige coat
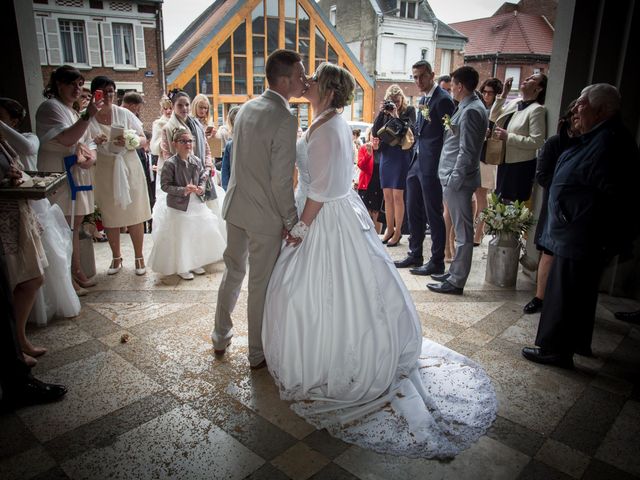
{"x": 522, "y": 125}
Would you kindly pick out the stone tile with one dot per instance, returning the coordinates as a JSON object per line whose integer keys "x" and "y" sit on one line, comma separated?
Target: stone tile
{"x": 300, "y": 462}
{"x": 462, "y": 347}
{"x": 26, "y": 464}
{"x": 465, "y": 314}
{"x": 56, "y": 473}
{"x": 97, "y": 385}
{"x": 486, "y": 459}
{"x": 539, "y": 471}
{"x": 333, "y": 472}
{"x": 580, "y": 428}
{"x": 515, "y": 436}
{"x": 598, "y": 470}
{"x": 129, "y": 314}
{"x": 249, "y": 428}
{"x": 523, "y": 332}
{"x": 533, "y": 396}
{"x": 612, "y": 384}
{"x": 16, "y": 437}
{"x": 324, "y": 443}
{"x": 563, "y": 458}
{"x": 58, "y": 335}
{"x": 178, "y": 444}
{"x": 624, "y": 362}
{"x": 474, "y": 337}
{"x": 268, "y": 403}
{"x": 500, "y": 319}
{"x": 620, "y": 446}
{"x": 267, "y": 472}
{"x": 105, "y": 430}
{"x": 76, "y": 353}
{"x": 116, "y": 338}
{"x": 182, "y": 316}
{"x": 93, "y": 322}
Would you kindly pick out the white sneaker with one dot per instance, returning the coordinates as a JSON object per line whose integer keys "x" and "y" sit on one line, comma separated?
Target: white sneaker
{"x": 199, "y": 271}
{"x": 186, "y": 276}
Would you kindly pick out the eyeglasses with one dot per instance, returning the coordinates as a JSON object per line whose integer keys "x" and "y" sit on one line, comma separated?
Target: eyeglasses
{"x": 488, "y": 92}
{"x": 185, "y": 142}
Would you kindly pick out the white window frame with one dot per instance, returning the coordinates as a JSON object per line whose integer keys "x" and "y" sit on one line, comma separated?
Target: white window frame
{"x": 71, "y": 33}
{"x": 405, "y": 3}
{"x": 120, "y": 39}
{"x": 446, "y": 56}
{"x": 514, "y": 72}
{"x": 333, "y": 15}
{"x": 399, "y": 68}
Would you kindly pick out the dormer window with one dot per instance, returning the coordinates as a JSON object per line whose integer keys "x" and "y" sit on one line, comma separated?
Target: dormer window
{"x": 408, "y": 9}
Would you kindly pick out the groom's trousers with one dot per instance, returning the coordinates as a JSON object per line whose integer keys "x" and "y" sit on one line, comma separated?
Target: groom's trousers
{"x": 262, "y": 251}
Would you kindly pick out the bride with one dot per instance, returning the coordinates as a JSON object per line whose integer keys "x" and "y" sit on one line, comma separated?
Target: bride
{"x": 341, "y": 335}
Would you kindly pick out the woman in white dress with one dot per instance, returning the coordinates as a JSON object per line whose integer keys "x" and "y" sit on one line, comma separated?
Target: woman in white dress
{"x": 341, "y": 335}
{"x": 62, "y": 132}
{"x": 187, "y": 238}
{"x": 121, "y": 186}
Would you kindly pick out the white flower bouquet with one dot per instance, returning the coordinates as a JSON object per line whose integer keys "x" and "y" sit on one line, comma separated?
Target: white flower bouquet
{"x": 131, "y": 140}
{"x": 511, "y": 218}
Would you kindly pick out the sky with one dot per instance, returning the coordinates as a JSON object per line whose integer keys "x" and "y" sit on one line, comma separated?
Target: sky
{"x": 178, "y": 14}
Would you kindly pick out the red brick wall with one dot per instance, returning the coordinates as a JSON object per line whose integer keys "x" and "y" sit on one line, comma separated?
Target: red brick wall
{"x": 409, "y": 89}
{"x": 457, "y": 60}
{"x": 152, "y": 86}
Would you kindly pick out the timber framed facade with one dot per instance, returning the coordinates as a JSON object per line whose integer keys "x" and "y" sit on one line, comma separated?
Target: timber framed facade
{"x": 222, "y": 54}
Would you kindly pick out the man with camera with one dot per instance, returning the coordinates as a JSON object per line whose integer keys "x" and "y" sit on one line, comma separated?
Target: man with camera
{"x": 424, "y": 191}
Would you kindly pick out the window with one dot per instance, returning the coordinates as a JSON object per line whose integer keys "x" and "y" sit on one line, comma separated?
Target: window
{"x": 123, "y": 44}
{"x": 73, "y": 41}
{"x": 515, "y": 73}
{"x": 399, "y": 55}
{"x": 408, "y": 9}
{"x": 445, "y": 62}
{"x": 332, "y": 15}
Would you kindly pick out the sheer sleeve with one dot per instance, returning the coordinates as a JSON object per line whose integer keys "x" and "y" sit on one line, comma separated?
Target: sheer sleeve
{"x": 330, "y": 150}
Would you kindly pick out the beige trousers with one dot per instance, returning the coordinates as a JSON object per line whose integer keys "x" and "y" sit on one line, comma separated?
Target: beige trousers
{"x": 262, "y": 252}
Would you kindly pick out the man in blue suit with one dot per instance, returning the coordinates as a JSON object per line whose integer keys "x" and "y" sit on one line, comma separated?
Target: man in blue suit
{"x": 424, "y": 191}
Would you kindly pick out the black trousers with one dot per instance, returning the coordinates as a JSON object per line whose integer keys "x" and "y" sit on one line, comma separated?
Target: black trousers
{"x": 569, "y": 309}
{"x": 424, "y": 205}
{"x": 13, "y": 370}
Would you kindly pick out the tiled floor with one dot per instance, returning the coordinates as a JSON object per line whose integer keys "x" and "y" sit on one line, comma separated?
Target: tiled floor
{"x": 162, "y": 406}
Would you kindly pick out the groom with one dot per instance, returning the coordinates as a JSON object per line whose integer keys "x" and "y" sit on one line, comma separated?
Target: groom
{"x": 259, "y": 206}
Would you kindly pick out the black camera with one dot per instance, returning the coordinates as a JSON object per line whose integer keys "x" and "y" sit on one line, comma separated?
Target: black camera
{"x": 388, "y": 105}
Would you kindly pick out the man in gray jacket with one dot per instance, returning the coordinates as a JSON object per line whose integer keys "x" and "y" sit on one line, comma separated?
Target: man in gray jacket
{"x": 259, "y": 206}
{"x": 459, "y": 174}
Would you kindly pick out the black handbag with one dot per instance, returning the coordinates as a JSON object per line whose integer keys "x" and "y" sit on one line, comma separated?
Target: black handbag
{"x": 393, "y": 132}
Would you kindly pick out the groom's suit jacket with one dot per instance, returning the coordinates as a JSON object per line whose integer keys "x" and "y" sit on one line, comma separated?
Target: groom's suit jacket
{"x": 259, "y": 196}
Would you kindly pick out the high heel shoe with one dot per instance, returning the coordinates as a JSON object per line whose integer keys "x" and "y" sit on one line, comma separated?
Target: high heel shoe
{"x": 113, "y": 269}
{"x": 394, "y": 244}
{"x": 386, "y": 240}
{"x": 84, "y": 283}
{"x": 140, "y": 268}
{"x": 81, "y": 292}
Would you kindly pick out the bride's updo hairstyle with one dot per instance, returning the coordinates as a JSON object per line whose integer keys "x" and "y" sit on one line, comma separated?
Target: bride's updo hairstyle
{"x": 332, "y": 78}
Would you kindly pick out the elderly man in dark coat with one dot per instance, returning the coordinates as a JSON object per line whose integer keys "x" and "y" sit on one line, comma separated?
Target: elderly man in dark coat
{"x": 589, "y": 221}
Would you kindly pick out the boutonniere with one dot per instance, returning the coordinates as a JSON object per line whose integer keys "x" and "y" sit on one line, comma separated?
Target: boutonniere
{"x": 446, "y": 121}
{"x": 424, "y": 110}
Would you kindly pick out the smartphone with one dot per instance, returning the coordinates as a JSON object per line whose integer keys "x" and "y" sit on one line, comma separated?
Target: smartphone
{"x": 97, "y": 96}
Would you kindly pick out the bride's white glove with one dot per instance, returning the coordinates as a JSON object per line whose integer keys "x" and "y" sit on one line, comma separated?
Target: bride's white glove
{"x": 299, "y": 230}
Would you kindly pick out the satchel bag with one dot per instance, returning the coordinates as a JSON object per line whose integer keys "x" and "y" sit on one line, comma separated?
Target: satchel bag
{"x": 408, "y": 140}
{"x": 209, "y": 190}
{"x": 495, "y": 153}
{"x": 393, "y": 132}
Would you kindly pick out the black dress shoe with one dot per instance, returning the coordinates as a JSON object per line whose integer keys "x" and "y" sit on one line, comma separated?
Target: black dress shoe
{"x": 409, "y": 261}
{"x": 633, "y": 317}
{"x": 534, "y": 306}
{"x": 33, "y": 392}
{"x": 540, "y": 355}
{"x": 259, "y": 366}
{"x": 427, "y": 269}
{"x": 441, "y": 277}
{"x": 445, "y": 287}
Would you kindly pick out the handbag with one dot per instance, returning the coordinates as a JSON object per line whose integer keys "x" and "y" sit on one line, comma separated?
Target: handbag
{"x": 209, "y": 190}
{"x": 495, "y": 153}
{"x": 408, "y": 140}
{"x": 393, "y": 132}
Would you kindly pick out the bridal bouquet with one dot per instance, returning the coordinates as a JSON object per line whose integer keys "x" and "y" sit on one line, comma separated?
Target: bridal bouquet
{"x": 511, "y": 218}
{"x": 131, "y": 139}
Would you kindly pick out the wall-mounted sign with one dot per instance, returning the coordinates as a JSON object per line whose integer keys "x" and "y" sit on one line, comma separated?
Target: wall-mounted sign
{"x": 149, "y": 73}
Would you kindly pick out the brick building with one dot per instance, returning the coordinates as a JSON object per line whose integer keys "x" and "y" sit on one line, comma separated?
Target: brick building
{"x": 389, "y": 36}
{"x": 119, "y": 39}
{"x": 512, "y": 42}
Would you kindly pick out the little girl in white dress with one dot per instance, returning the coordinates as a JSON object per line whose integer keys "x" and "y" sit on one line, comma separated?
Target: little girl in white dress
{"x": 188, "y": 237}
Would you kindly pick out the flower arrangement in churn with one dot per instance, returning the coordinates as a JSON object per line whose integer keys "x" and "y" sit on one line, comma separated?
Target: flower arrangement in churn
{"x": 506, "y": 218}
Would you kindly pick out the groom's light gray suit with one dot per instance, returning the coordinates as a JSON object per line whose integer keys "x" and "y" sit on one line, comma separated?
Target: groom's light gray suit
{"x": 459, "y": 173}
{"x": 259, "y": 203}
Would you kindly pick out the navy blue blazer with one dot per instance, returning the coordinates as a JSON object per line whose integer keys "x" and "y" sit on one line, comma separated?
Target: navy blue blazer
{"x": 430, "y": 134}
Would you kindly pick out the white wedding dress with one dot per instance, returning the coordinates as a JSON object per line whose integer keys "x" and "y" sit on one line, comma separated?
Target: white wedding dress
{"x": 342, "y": 337}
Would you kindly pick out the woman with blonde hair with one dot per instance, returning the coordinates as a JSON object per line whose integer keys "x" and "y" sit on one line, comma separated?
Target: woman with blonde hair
{"x": 341, "y": 335}
{"x": 394, "y": 162}
{"x": 201, "y": 110}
